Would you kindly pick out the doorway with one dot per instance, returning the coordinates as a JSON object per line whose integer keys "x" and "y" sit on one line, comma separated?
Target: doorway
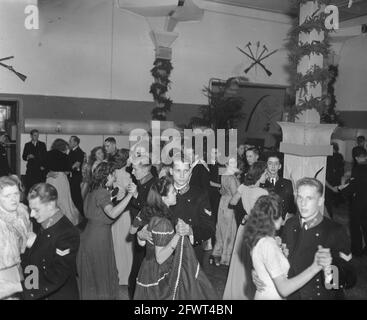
{"x": 9, "y": 121}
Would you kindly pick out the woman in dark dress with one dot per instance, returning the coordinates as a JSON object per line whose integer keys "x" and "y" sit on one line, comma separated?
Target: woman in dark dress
{"x": 170, "y": 269}
{"x": 98, "y": 279}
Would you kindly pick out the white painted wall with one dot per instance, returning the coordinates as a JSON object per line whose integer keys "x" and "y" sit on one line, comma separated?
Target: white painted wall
{"x": 351, "y": 84}
{"x": 87, "y": 48}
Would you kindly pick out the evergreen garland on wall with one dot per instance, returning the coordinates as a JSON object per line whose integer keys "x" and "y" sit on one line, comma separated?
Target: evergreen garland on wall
{"x": 161, "y": 72}
{"x": 316, "y": 74}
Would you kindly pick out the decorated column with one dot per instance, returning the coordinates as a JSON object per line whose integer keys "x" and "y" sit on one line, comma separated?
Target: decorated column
{"x": 306, "y": 142}
{"x": 163, "y": 16}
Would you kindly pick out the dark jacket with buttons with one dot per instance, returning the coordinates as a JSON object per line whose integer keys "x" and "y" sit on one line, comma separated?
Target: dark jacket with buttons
{"x": 140, "y": 202}
{"x": 54, "y": 254}
{"x": 39, "y": 152}
{"x": 284, "y": 189}
{"x": 4, "y": 164}
{"x": 303, "y": 244}
{"x": 193, "y": 207}
{"x": 74, "y": 156}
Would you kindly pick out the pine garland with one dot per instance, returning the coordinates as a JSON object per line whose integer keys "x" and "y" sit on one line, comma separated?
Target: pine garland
{"x": 297, "y": 3}
{"x": 316, "y": 21}
{"x": 161, "y": 72}
{"x": 306, "y": 49}
{"x": 316, "y": 74}
{"x": 312, "y": 77}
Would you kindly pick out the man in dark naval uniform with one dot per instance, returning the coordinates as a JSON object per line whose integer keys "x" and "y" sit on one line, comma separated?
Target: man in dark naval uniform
{"x": 54, "y": 251}
{"x": 357, "y": 191}
{"x": 34, "y": 153}
{"x": 76, "y": 159}
{"x": 304, "y": 233}
{"x": 281, "y": 186}
{"x": 192, "y": 205}
{"x": 142, "y": 172}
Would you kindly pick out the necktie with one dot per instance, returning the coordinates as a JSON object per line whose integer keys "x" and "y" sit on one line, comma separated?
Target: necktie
{"x": 272, "y": 181}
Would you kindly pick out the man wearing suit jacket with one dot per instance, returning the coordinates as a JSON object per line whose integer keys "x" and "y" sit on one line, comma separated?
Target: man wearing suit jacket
{"x": 34, "y": 153}
{"x": 76, "y": 159}
{"x": 282, "y": 187}
{"x": 4, "y": 164}
{"x": 51, "y": 261}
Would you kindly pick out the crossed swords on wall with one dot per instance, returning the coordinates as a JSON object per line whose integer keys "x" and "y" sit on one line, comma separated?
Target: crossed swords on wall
{"x": 10, "y": 68}
{"x": 257, "y": 60}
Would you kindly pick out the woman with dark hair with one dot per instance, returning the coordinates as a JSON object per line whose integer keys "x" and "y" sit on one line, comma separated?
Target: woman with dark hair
{"x": 269, "y": 262}
{"x": 239, "y": 285}
{"x": 57, "y": 165}
{"x": 97, "y": 155}
{"x": 170, "y": 270}
{"x": 97, "y": 270}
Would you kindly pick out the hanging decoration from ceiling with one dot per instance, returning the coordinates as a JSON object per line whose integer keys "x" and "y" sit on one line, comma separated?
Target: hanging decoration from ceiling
{"x": 10, "y": 68}
{"x": 170, "y": 12}
{"x": 257, "y": 58}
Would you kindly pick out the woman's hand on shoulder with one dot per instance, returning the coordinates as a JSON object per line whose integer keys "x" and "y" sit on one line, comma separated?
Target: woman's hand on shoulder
{"x": 132, "y": 189}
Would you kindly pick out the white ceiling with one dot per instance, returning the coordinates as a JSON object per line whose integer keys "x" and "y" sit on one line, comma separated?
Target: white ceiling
{"x": 358, "y": 9}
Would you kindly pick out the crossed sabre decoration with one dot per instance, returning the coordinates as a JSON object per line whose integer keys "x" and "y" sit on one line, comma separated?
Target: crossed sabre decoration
{"x": 10, "y": 68}
{"x": 257, "y": 60}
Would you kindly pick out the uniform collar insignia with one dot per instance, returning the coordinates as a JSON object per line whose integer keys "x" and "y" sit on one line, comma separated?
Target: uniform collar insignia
{"x": 313, "y": 222}
{"x": 183, "y": 190}
{"x": 52, "y": 220}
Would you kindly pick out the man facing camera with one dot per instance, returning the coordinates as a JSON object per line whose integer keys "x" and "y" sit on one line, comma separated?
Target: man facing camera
{"x": 192, "y": 205}
{"x": 34, "y": 153}
{"x": 304, "y": 233}
{"x": 51, "y": 262}
{"x": 279, "y": 185}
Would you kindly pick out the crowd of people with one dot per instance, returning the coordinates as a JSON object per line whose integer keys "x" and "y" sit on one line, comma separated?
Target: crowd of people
{"x": 90, "y": 225}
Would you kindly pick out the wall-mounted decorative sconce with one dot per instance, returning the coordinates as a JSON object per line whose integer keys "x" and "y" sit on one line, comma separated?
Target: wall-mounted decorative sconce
{"x": 58, "y": 127}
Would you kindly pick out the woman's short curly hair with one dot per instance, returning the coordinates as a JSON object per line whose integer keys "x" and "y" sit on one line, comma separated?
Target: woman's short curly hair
{"x": 260, "y": 223}
{"x": 121, "y": 158}
{"x": 100, "y": 175}
{"x": 60, "y": 144}
{"x": 255, "y": 173}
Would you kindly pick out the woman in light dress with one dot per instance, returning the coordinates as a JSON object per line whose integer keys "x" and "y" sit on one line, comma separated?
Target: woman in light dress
{"x": 226, "y": 224}
{"x": 15, "y": 235}
{"x": 270, "y": 264}
{"x": 238, "y": 285}
{"x": 122, "y": 240}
